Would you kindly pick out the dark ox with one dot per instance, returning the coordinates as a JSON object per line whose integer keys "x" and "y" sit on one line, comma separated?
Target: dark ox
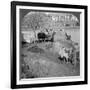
{"x": 42, "y": 36}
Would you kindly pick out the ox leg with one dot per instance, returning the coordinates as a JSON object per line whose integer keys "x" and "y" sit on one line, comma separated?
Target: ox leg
{"x": 61, "y": 58}
{"x": 74, "y": 62}
{"x": 64, "y": 59}
{"x": 70, "y": 60}
{"x": 67, "y": 60}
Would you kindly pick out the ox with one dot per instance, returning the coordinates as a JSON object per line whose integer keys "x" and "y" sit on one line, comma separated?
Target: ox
{"x": 42, "y": 36}
{"x": 65, "y": 55}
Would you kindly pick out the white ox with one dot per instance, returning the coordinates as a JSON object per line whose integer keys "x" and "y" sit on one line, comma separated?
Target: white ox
{"x": 64, "y": 54}
{"x": 29, "y": 36}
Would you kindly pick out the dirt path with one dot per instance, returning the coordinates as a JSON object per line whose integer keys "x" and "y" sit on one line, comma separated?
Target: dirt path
{"x": 52, "y": 63}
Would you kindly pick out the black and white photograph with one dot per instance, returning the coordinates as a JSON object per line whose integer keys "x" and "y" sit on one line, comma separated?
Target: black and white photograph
{"x": 49, "y": 44}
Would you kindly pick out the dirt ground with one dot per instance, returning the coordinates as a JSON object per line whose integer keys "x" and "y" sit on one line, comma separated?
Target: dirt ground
{"x": 40, "y": 60}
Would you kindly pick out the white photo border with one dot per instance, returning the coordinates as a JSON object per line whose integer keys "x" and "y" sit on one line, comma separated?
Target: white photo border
{"x": 50, "y": 79}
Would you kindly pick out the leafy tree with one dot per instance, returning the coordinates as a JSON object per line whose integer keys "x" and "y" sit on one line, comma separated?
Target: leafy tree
{"x": 34, "y": 20}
